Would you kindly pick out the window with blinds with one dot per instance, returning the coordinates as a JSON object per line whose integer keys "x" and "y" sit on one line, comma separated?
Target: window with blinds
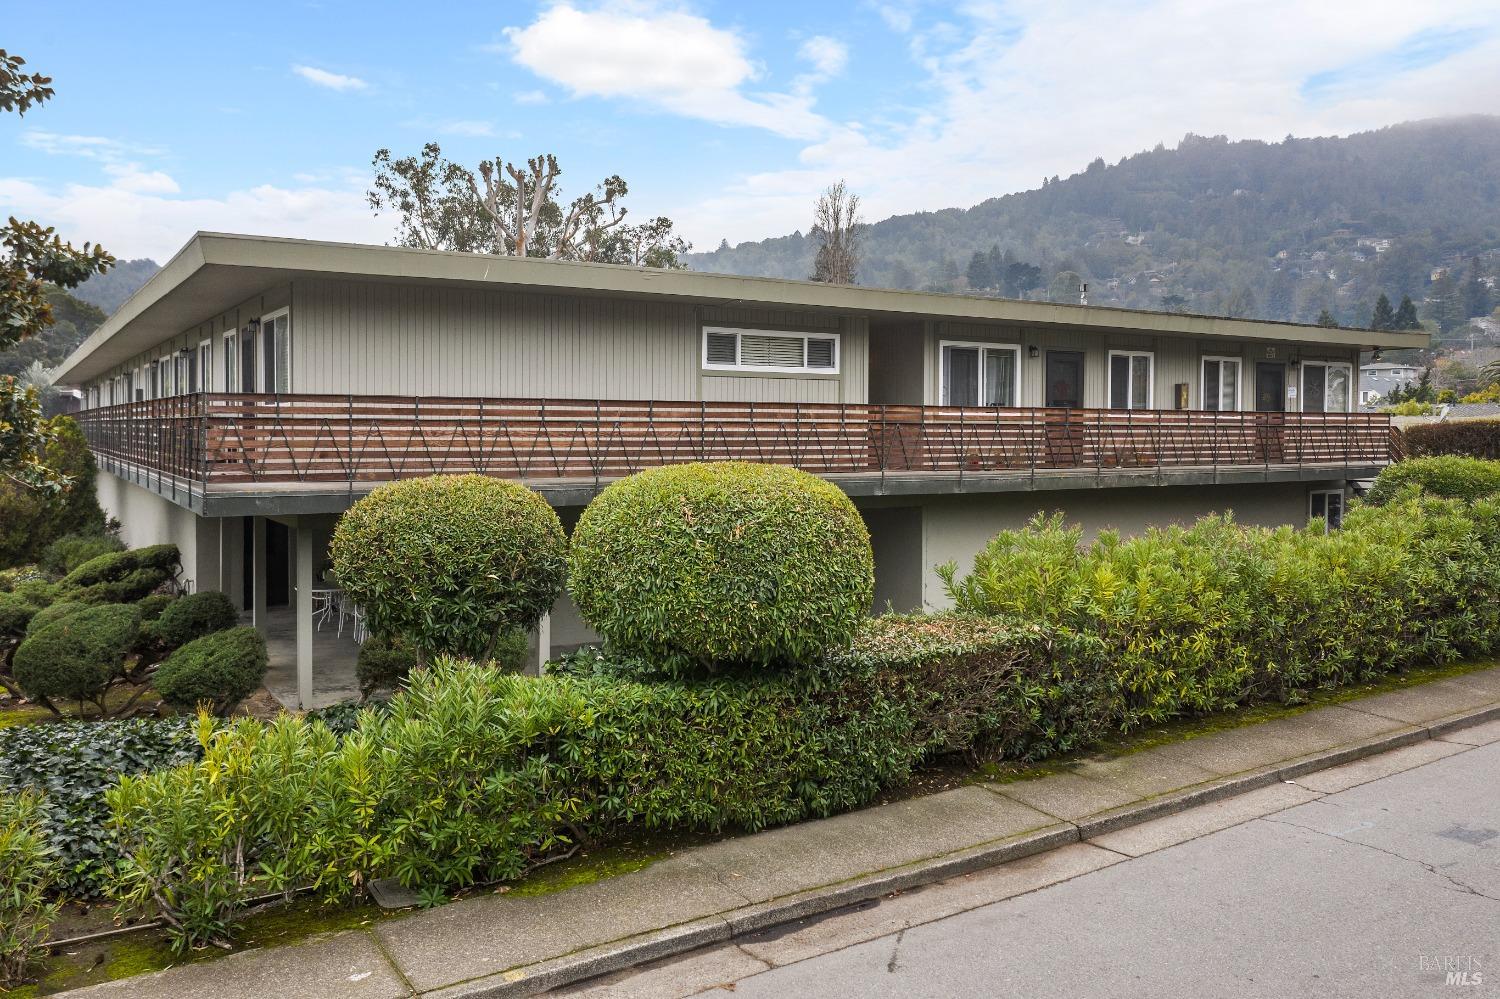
{"x": 728, "y": 349}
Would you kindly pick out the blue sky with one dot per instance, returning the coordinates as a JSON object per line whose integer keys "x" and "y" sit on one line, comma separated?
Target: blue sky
{"x": 728, "y": 117}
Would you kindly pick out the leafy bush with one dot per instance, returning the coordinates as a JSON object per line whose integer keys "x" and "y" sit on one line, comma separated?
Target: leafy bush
{"x": 49, "y": 614}
{"x": 16, "y": 613}
{"x": 152, "y": 607}
{"x": 220, "y": 669}
{"x": 193, "y": 616}
{"x": 31, "y": 519}
{"x": 1471, "y": 438}
{"x": 384, "y": 664}
{"x": 77, "y": 657}
{"x": 71, "y": 764}
{"x": 1445, "y": 475}
{"x": 199, "y": 841}
{"x": 72, "y": 550}
{"x": 491, "y": 555}
{"x": 1204, "y": 618}
{"x": 28, "y": 866}
{"x": 722, "y": 564}
{"x": 121, "y": 577}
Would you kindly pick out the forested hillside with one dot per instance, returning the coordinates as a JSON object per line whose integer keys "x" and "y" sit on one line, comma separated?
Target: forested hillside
{"x": 110, "y": 290}
{"x": 1276, "y": 230}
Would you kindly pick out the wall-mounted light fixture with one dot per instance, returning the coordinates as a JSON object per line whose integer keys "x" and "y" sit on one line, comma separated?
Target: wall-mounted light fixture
{"x": 252, "y": 327}
{"x": 1032, "y": 351}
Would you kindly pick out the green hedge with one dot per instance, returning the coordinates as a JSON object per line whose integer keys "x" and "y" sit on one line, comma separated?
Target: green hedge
{"x": 69, "y": 552}
{"x": 72, "y": 764}
{"x": 1470, "y": 438}
{"x": 722, "y": 564}
{"x": 451, "y": 563}
{"x": 1204, "y": 618}
{"x": 1445, "y": 475}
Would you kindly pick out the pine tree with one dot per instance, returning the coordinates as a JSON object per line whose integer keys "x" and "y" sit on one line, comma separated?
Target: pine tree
{"x": 1476, "y": 296}
{"x": 1406, "y": 316}
{"x": 981, "y": 277}
{"x": 1325, "y": 318}
{"x": 1384, "y": 318}
{"x": 1445, "y": 304}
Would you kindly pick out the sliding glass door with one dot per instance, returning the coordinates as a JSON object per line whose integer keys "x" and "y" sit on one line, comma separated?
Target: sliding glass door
{"x": 975, "y": 374}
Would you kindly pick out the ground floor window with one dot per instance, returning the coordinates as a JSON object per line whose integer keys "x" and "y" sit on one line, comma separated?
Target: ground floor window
{"x": 1329, "y": 505}
{"x": 979, "y": 374}
{"x": 1130, "y": 379}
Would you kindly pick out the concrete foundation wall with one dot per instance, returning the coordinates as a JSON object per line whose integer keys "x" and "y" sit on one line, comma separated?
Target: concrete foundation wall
{"x": 148, "y": 519}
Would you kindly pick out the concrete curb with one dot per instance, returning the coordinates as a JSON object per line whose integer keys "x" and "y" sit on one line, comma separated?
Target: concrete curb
{"x": 619, "y": 955}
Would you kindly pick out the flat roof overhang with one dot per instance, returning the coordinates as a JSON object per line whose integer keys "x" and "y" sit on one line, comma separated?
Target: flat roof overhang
{"x": 215, "y": 272}
{"x": 305, "y": 499}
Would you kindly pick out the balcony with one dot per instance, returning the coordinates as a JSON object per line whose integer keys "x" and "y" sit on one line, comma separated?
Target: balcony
{"x": 203, "y": 450}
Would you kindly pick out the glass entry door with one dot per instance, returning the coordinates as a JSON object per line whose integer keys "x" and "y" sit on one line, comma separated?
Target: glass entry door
{"x": 1065, "y": 379}
{"x": 1270, "y": 387}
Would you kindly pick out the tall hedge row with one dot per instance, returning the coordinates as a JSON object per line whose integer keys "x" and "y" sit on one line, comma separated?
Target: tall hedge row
{"x": 1470, "y": 438}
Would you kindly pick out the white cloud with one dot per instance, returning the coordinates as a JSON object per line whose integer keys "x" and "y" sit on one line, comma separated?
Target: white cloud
{"x": 828, "y": 56}
{"x": 333, "y": 81}
{"x": 96, "y": 147}
{"x": 531, "y": 97}
{"x": 130, "y": 177}
{"x": 141, "y": 219}
{"x": 661, "y": 57}
{"x": 1034, "y": 88}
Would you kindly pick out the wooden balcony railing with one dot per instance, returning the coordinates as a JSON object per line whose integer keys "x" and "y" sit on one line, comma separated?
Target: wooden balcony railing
{"x": 234, "y": 440}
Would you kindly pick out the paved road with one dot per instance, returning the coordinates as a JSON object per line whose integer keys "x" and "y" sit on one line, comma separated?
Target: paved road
{"x": 1375, "y": 891}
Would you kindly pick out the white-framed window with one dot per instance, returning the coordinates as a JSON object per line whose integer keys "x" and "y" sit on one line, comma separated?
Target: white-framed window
{"x": 1221, "y": 383}
{"x": 1131, "y": 373}
{"x": 232, "y": 361}
{"x": 727, "y": 348}
{"x": 205, "y": 366}
{"x": 1326, "y": 386}
{"x": 978, "y": 374}
{"x": 276, "y": 351}
{"x": 1327, "y": 504}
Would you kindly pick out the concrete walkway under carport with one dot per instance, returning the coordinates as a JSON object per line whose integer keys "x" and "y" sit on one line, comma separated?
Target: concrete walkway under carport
{"x": 334, "y": 659}
{"x": 722, "y": 900}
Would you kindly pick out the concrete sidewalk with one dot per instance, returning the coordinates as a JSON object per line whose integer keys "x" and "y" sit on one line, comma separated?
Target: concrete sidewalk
{"x": 498, "y": 945}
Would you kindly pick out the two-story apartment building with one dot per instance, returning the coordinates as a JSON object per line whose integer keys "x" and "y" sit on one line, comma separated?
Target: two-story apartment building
{"x": 256, "y": 387}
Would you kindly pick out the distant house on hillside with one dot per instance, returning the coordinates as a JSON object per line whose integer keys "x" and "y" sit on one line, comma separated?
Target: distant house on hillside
{"x": 1379, "y": 378}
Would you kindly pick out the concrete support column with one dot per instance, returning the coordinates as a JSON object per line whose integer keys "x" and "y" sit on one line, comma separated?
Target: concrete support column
{"x": 304, "y": 583}
{"x": 543, "y": 644}
{"x": 258, "y": 574}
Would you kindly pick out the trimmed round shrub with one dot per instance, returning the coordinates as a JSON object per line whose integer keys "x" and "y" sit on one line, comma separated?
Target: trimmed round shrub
{"x": 451, "y": 563}
{"x": 121, "y": 577}
{"x": 151, "y": 607}
{"x": 1448, "y": 476}
{"x": 56, "y": 612}
{"x": 193, "y": 616}
{"x": 220, "y": 669}
{"x": 75, "y": 658}
{"x": 722, "y": 564}
{"x": 69, "y": 552}
{"x": 16, "y": 613}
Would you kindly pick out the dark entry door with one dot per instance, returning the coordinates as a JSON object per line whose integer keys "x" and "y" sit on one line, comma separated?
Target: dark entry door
{"x": 1064, "y": 379}
{"x": 1270, "y": 387}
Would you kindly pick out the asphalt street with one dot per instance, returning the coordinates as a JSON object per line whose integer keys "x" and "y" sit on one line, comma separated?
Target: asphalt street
{"x": 1389, "y": 888}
